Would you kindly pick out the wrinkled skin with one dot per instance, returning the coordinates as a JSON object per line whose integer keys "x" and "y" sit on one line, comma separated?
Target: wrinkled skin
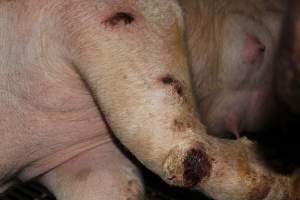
{"x": 232, "y": 45}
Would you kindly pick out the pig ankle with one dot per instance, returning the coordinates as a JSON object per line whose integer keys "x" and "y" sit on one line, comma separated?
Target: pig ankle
{"x": 187, "y": 165}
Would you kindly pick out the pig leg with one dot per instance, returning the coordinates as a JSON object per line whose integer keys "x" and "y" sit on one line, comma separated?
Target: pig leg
{"x": 101, "y": 173}
{"x": 143, "y": 91}
{"x": 145, "y": 94}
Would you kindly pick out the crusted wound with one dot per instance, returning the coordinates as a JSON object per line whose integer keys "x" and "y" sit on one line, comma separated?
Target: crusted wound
{"x": 197, "y": 166}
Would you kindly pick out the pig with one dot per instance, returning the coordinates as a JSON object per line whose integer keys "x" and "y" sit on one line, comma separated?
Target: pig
{"x": 232, "y": 46}
{"x": 78, "y": 74}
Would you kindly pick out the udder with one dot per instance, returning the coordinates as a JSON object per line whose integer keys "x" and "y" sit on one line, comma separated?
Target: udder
{"x": 236, "y": 113}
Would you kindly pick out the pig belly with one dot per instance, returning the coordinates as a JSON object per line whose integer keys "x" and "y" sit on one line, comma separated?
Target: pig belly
{"x": 45, "y": 120}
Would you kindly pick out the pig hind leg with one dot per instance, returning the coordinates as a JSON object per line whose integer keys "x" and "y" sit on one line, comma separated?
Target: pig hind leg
{"x": 100, "y": 174}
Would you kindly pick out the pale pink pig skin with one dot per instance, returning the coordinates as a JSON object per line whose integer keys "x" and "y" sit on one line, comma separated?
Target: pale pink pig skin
{"x": 74, "y": 72}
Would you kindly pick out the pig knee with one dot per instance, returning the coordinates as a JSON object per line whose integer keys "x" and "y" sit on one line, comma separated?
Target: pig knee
{"x": 102, "y": 173}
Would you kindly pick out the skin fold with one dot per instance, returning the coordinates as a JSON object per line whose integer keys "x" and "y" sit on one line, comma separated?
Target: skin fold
{"x": 76, "y": 72}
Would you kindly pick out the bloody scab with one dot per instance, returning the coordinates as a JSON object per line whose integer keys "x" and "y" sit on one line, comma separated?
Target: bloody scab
{"x": 126, "y": 18}
{"x": 169, "y": 80}
{"x": 196, "y": 167}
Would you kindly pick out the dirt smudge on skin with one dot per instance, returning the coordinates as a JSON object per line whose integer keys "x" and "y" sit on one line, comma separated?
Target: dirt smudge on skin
{"x": 259, "y": 185}
{"x": 179, "y": 126}
{"x": 133, "y": 191}
{"x": 183, "y": 123}
{"x": 260, "y": 191}
{"x": 83, "y": 174}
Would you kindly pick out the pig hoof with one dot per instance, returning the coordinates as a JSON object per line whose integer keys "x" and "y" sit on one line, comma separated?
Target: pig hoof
{"x": 187, "y": 165}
